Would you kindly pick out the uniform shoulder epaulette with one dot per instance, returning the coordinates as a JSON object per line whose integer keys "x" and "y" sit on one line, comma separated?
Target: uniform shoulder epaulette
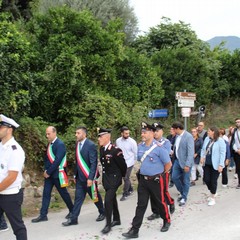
{"x": 14, "y": 147}
{"x": 119, "y": 153}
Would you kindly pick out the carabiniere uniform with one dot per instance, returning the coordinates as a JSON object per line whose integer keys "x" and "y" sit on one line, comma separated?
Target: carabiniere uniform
{"x": 113, "y": 170}
{"x": 151, "y": 182}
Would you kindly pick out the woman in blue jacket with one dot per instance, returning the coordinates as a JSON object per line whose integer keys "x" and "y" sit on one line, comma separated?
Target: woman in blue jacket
{"x": 212, "y": 158}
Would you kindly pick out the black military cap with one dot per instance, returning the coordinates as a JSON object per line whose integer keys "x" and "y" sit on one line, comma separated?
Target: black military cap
{"x": 158, "y": 125}
{"x": 102, "y": 131}
{"x": 147, "y": 127}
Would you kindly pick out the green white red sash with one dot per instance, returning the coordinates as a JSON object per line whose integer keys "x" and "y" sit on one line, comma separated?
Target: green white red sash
{"x": 85, "y": 169}
{"x": 62, "y": 174}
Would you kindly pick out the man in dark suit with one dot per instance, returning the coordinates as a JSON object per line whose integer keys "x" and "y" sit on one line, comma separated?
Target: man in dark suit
{"x": 114, "y": 169}
{"x": 86, "y": 173}
{"x": 54, "y": 174}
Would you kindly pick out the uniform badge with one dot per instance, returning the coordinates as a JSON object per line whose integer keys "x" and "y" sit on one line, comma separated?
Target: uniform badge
{"x": 14, "y": 147}
{"x": 108, "y": 157}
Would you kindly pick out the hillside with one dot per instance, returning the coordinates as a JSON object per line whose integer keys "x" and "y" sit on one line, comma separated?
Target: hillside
{"x": 231, "y": 42}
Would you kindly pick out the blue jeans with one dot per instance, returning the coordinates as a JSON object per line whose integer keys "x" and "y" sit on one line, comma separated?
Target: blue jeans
{"x": 181, "y": 179}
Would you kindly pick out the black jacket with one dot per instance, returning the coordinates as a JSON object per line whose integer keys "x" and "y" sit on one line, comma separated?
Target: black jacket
{"x": 114, "y": 166}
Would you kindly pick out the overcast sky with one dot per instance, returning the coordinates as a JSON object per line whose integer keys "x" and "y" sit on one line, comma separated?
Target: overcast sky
{"x": 208, "y": 18}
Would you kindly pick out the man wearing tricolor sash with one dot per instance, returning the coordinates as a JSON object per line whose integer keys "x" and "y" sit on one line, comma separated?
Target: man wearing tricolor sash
{"x": 54, "y": 174}
{"x": 86, "y": 174}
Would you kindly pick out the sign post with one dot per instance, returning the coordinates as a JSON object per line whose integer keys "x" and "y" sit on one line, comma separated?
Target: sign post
{"x": 186, "y": 102}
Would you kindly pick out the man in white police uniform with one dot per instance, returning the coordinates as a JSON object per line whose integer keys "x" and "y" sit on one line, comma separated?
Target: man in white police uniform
{"x": 12, "y": 159}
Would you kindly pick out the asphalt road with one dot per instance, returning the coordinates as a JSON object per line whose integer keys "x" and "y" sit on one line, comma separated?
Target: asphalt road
{"x": 195, "y": 221}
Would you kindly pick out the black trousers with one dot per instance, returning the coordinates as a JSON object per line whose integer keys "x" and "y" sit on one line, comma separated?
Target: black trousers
{"x": 236, "y": 158}
{"x": 169, "y": 200}
{"x": 224, "y": 176}
{"x": 48, "y": 186}
{"x": 155, "y": 189}
{"x": 210, "y": 177}
{"x": 111, "y": 206}
{"x": 11, "y": 205}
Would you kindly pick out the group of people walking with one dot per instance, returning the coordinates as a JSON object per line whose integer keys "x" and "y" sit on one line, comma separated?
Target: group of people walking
{"x": 178, "y": 157}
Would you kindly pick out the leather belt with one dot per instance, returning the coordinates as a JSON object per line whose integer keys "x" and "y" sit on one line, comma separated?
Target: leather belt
{"x": 151, "y": 177}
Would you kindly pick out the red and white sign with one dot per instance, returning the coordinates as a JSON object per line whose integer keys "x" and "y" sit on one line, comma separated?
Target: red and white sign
{"x": 186, "y": 95}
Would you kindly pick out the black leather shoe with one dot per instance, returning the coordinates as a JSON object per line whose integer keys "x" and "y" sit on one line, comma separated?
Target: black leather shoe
{"x": 68, "y": 216}
{"x": 115, "y": 223}
{"x": 172, "y": 208}
{"x": 165, "y": 227}
{"x": 106, "y": 229}
{"x": 39, "y": 219}
{"x": 70, "y": 222}
{"x": 153, "y": 216}
{"x": 132, "y": 233}
{"x": 100, "y": 217}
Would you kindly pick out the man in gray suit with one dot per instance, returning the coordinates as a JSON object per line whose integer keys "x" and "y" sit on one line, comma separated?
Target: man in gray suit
{"x": 184, "y": 159}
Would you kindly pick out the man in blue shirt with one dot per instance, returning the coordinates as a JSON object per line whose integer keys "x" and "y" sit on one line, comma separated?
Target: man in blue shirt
{"x": 155, "y": 162}
{"x": 158, "y": 135}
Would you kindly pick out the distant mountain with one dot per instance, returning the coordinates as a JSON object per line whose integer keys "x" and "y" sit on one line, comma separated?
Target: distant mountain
{"x": 231, "y": 42}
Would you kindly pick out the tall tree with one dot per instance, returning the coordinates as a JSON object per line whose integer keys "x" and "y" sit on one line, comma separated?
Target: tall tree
{"x": 104, "y": 10}
{"x": 185, "y": 62}
{"x": 17, "y": 8}
{"x": 15, "y": 82}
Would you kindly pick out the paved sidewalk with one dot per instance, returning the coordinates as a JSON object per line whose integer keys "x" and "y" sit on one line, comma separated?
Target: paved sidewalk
{"x": 195, "y": 221}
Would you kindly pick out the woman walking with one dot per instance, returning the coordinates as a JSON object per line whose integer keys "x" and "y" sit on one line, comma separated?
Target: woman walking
{"x": 212, "y": 157}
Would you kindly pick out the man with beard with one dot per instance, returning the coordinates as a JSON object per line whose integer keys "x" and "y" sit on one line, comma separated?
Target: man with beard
{"x": 129, "y": 148}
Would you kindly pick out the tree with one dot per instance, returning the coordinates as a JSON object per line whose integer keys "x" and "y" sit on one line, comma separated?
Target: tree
{"x": 17, "y": 8}
{"x": 15, "y": 84}
{"x": 75, "y": 56}
{"x": 184, "y": 61}
{"x": 104, "y": 10}
{"x": 229, "y": 73}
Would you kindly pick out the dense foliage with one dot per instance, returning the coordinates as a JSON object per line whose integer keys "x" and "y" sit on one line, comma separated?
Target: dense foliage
{"x": 67, "y": 67}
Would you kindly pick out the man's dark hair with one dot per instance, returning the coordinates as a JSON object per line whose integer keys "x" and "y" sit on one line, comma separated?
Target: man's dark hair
{"x": 124, "y": 128}
{"x": 83, "y": 128}
{"x": 176, "y": 125}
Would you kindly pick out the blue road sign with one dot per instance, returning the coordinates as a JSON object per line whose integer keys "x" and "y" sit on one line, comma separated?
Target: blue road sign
{"x": 158, "y": 113}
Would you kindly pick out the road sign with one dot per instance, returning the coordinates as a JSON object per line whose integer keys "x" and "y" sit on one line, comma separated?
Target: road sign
{"x": 186, "y": 112}
{"x": 158, "y": 113}
{"x": 186, "y": 95}
{"x": 185, "y": 103}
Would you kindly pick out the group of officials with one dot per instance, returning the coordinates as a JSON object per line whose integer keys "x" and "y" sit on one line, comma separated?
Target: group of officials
{"x": 154, "y": 154}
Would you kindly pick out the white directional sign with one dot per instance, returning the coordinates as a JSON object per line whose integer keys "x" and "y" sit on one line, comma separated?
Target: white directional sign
{"x": 187, "y": 103}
